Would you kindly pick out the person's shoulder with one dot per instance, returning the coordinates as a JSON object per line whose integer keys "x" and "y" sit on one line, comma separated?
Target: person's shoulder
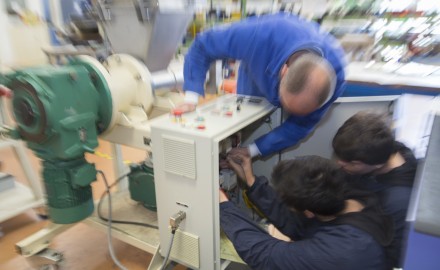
{"x": 347, "y": 245}
{"x": 396, "y": 195}
{"x": 282, "y": 19}
{"x": 340, "y": 231}
{"x": 346, "y": 235}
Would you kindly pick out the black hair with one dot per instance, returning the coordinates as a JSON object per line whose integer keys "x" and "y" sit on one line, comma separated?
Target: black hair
{"x": 364, "y": 137}
{"x": 310, "y": 183}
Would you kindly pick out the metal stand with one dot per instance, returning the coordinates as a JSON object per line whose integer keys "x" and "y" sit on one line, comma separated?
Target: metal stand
{"x": 35, "y": 247}
{"x": 46, "y": 260}
{"x": 20, "y": 198}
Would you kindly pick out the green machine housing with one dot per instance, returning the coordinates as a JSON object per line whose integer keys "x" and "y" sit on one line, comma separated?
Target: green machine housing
{"x": 59, "y": 112}
{"x": 141, "y": 185}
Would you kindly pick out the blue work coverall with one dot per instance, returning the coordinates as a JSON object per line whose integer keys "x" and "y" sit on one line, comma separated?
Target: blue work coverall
{"x": 263, "y": 45}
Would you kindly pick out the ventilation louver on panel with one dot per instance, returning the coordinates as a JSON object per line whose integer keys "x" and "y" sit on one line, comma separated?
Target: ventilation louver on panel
{"x": 179, "y": 156}
{"x": 186, "y": 248}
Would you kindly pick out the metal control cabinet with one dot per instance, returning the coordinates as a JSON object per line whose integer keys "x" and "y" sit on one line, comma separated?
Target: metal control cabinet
{"x": 186, "y": 165}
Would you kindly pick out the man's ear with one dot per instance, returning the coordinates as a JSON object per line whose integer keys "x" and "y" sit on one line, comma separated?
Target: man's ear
{"x": 283, "y": 70}
{"x": 308, "y": 214}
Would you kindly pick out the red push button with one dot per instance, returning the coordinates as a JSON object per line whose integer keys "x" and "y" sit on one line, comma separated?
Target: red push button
{"x": 177, "y": 112}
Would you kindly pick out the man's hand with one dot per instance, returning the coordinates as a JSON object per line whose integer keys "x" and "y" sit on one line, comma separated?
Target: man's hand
{"x": 239, "y": 150}
{"x": 222, "y": 196}
{"x": 241, "y": 162}
{"x": 274, "y": 232}
{"x": 184, "y": 108}
{"x": 224, "y": 163}
{"x": 4, "y": 91}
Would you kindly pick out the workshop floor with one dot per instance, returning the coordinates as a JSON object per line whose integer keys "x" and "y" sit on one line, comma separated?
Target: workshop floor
{"x": 83, "y": 247}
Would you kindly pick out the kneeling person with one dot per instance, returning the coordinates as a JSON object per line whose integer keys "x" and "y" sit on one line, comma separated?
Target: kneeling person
{"x": 333, "y": 227}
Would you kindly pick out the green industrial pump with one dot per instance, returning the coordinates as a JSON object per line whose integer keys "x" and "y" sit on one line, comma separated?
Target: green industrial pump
{"x": 141, "y": 185}
{"x": 59, "y": 112}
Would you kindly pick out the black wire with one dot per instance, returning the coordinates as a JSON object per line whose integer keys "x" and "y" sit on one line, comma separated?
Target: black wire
{"x": 118, "y": 221}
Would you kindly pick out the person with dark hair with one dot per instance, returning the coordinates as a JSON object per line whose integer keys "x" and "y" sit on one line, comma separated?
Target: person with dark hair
{"x": 289, "y": 61}
{"x": 366, "y": 148}
{"x": 333, "y": 228}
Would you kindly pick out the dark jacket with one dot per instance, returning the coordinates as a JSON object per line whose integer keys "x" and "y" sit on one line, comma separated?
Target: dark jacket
{"x": 351, "y": 241}
{"x": 394, "y": 192}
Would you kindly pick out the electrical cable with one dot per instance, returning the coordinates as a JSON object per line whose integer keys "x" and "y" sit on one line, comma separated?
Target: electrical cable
{"x": 246, "y": 200}
{"x": 173, "y": 232}
{"x": 120, "y": 221}
{"x": 109, "y": 224}
{"x": 175, "y": 221}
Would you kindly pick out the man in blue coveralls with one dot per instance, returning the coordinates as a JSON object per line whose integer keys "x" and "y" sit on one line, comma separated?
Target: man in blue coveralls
{"x": 287, "y": 60}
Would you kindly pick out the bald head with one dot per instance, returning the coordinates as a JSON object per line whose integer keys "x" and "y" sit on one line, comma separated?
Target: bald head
{"x": 307, "y": 83}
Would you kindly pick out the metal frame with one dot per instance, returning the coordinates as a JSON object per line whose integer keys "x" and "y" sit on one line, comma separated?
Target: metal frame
{"x": 20, "y": 198}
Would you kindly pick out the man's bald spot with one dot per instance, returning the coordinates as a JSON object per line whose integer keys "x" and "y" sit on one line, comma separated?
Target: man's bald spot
{"x": 307, "y": 84}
